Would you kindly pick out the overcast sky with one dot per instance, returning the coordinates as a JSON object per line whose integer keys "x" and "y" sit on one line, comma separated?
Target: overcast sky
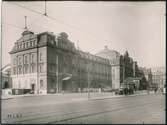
{"x": 138, "y": 27}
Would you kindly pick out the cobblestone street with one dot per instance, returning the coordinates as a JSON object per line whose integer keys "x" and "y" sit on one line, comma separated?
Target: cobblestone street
{"x": 127, "y": 109}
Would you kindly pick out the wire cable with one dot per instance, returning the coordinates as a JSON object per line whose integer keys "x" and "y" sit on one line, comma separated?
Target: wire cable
{"x": 4, "y": 23}
{"x": 14, "y": 26}
{"x": 26, "y": 8}
{"x": 57, "y": 20}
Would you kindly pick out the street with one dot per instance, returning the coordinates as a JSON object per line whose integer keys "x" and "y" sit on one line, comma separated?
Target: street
{"x": 140, "y": 109}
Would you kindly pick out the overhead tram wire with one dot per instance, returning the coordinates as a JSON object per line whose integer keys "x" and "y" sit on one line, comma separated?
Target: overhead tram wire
{"x": 45, "y": 14}
{"x": 35, "y": 21}
{"x": 27, "y": 8}
{"x": 8, "y": 24}
{"x": 14, "y": 26}
{"x": 57, "y": 20}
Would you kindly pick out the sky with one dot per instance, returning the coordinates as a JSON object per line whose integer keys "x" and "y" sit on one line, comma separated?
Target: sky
{"x": 138, "y": 27}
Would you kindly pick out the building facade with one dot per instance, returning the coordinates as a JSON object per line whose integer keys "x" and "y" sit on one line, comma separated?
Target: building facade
{"x": 6, "y": 77}
{"x": 47, "y": 63}
{"x": 158, "y": 77}
{"x": 148, "y": 77}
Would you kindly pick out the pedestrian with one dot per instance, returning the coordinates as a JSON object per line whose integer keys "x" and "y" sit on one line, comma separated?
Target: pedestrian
{"x": 155, "y": 90}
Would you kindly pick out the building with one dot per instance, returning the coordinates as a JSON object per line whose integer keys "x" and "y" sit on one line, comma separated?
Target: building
{"x": 124, "y": 71}
{"x": 6, "y": 82}
{"x": 158, "y": 76}
{"x": 6, "y": 77}
{"x": 47, "y": 63}
{"x": 148, "y": 77}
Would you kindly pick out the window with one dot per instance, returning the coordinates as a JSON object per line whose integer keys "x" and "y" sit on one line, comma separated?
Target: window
{"x": 19, "y": 69}
{"x": 34, "y": 43}
{"x": 14, "y": 70}
{"x": 27, "y": 45}
{"x": 20, "y": 60}
{"x": 41, "y": 68}
{"x": 32, "y": 68}
{"x": 15, "y": 61}
{"x": 24, "y": 45}
{"x": 26, "y": 69}
{"x": 30, "y": 43}
{"x": 41, "y": 84}
{"x": 40, "y": 56}
{"x": 32, "y": 58}
{"x": 26, "y": 59}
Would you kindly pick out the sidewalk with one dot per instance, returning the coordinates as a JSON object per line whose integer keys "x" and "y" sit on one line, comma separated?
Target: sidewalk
{"x": 76, "y": 96}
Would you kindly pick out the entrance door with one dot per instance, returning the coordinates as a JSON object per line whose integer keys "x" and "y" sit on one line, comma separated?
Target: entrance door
{"x": 64, "y": 85}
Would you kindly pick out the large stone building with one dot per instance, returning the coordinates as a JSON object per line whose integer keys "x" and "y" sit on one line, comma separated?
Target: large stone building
{"x": 46, "y": 63}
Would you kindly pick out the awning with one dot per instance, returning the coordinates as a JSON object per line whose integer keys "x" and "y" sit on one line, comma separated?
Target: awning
{"x": 67, "y": 78}
{"x": 132, "y": 79}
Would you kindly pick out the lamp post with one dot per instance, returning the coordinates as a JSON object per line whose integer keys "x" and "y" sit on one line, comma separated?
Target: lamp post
{"x": 57, "y": 74}
{"x": 88, "y": 80}
{"x": 37, "y": 69}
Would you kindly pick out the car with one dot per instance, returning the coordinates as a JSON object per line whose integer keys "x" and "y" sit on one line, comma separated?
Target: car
{"x": 119, "y": 91}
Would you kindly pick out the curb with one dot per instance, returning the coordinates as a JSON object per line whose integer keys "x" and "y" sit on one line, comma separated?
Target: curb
{"x": 93, "y": 98}
{"x": 118, "y": 96}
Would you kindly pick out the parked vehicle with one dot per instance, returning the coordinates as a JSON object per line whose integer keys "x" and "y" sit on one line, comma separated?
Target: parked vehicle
{"x": 126, "y": 91}
{"x": 119, "y": 91}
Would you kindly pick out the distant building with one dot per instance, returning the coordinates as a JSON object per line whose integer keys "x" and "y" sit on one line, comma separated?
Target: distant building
{"x": 47, "y": 63}
{"x": 115, "y": 66}
{"x": 148, "y": 76}
{"x": 124, "y": 71}
{"x": 159, "y": 76}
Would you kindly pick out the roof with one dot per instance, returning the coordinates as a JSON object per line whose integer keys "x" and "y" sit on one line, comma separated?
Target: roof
{"x": 109, "y": 54}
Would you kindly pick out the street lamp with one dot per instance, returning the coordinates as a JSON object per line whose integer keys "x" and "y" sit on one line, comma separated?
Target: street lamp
{"x": 88, "y": 80}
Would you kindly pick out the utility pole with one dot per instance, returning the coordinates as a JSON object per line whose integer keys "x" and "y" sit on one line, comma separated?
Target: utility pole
{"x": 37, "y": 69}
{"x": 79, "y": 66}
{"x": 88, "y": 80}
{"x": 123, "y": 74}
{"x": 57, "y": 72}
